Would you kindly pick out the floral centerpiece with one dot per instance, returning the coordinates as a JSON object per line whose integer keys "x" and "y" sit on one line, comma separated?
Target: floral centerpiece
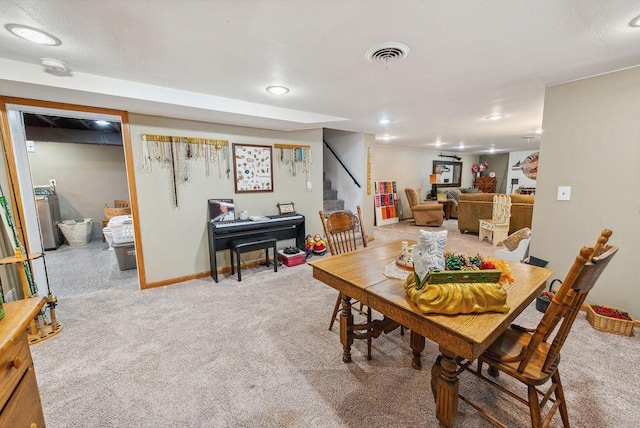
{"x": 479, "y": 168}
{"x": 449, "y": 283}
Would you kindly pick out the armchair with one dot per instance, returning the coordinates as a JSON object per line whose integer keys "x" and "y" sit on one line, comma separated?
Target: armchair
{"x": 424, "y": 213}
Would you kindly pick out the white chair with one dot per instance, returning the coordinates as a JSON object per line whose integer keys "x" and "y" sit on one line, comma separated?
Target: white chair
{"x": 496, "y": 229}
{"x": 519, "y": 254}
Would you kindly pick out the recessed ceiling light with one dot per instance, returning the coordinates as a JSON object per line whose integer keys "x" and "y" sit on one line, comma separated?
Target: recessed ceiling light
{"x": 32, "y": 35}
{"x": 54, "y": 65}
{"x": 101, "y": 122}
{"x": 495, "y": 116}
{"x": 635, "y": 22}
{"x": 384, "y": 121}
{"x": 277, "y": 90}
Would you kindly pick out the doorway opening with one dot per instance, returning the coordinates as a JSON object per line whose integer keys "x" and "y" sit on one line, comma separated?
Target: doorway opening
{"x": 58, "y": 156}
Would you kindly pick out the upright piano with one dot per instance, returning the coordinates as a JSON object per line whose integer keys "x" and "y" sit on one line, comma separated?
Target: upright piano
{"x": 277, "y": 226}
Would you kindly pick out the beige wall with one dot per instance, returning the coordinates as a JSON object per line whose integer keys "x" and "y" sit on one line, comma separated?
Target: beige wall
{"x": 87, "y": 176}
{"x": 591, "y": 142}
{"x": 174, "y": 240}
{"x": 411, "y": 168}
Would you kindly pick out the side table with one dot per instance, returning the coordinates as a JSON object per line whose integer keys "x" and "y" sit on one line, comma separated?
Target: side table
{"x": 446, "y": 205}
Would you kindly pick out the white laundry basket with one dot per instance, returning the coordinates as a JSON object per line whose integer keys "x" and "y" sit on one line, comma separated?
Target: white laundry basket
{"x": 76, "y": 232}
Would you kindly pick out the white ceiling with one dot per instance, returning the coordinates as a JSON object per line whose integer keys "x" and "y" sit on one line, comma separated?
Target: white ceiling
{"x": 212, "y": 60}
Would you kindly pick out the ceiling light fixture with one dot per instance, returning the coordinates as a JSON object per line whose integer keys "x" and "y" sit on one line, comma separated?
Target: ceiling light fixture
{"x": 635, "y": 22}
{"x": 277, "y": 90}
{"x": 55, "y": 65}
{"x": 384, "y": 121}
{"x": 495, "y": 117}
{"x": 386, "y": 137}
{"x": 32, "y": 35}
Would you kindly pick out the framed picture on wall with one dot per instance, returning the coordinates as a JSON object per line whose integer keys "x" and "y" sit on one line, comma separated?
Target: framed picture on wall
{"x": 286, "y": 208}
{"x": 252, "y": 168}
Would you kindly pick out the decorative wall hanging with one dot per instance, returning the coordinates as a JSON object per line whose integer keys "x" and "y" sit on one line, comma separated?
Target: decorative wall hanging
{"x": 286, "y": 208}
{"x": 175, "y": 154}
{"x": 369, "y": 171}
{"x": 253, "y": 168}
{"x": 295, "y": 157}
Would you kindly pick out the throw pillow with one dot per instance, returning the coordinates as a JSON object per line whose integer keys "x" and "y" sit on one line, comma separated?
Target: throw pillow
{"x": 512, "y": 241}
{"x": 453, "y": 195}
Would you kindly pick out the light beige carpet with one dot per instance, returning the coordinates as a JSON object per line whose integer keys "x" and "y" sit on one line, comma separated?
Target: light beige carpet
{"x": 257, "y": 353}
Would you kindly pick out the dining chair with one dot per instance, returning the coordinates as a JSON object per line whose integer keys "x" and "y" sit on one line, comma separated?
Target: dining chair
{"x": 532, "y": 356}
{"x": 343, "y": 230}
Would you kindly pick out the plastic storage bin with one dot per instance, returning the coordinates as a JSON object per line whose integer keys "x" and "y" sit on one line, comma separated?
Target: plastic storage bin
{"x": 121, "y": 229}
{"x": 76, "y": 232}
{"x": 126, "y": 255}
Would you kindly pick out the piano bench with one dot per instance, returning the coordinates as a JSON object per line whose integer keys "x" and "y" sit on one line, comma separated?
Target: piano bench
{"x": 239, "y": 246}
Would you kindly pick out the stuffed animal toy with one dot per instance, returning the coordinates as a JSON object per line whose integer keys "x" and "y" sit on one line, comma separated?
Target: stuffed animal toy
{"x": 308, "y": 246}
{"x": 319, "y": 246}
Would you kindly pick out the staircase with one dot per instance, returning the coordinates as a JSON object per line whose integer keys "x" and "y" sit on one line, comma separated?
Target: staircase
{"x": 330, "y": 199}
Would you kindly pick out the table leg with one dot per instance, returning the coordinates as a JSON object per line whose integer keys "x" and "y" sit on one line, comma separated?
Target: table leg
{"x": 417, "y": 345}
{"x": 346, "y": 324}
{"x": 444, "y": 384}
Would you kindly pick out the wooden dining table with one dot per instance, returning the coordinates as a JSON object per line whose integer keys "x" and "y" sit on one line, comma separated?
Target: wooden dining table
{"x": 359, "y": 275}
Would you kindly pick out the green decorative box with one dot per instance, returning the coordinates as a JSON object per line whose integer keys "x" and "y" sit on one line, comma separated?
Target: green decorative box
{"x": 452, "y": 276}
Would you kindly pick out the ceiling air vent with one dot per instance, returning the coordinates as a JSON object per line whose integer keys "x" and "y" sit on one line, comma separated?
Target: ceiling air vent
{"x": 387, "y": 53}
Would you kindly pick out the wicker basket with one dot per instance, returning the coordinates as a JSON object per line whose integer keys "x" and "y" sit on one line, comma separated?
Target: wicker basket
{"x": 76, "y": 232}
{"x": 543, "y": 304}
{"x": 608, "y": 324}
{"x": 109, "y": 213}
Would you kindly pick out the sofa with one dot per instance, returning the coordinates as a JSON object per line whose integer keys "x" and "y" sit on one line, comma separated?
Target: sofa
{"x": 473, "y": 207}
{"x": 424, "y": 213}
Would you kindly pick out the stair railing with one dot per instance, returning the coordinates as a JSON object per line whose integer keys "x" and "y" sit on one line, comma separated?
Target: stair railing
{"x": 341, "y": 163}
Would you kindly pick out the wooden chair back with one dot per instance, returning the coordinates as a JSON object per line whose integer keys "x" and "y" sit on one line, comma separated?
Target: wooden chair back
{"x": 121, "y": 203}
{"x": 501, "y": 209}
{"x": 342, "y": 229}
{"x": 584, "y": 273}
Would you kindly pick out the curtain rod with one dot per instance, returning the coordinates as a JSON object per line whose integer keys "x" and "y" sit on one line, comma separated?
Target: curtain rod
{"x": 190, "y": 140}
{"x": 289, "y": 146}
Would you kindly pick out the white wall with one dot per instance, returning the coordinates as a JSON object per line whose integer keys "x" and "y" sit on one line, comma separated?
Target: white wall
{"x": 87, "y": 177}
{"x": 591, "y": 142}
{"x": 174, "y": 240}
{"x": 349, "y": 146}
{"x": 411, "y": 168}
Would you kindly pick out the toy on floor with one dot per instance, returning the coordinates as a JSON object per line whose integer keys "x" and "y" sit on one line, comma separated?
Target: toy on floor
{"x": 308, "y": 245}
{"x": 319, "y": 246}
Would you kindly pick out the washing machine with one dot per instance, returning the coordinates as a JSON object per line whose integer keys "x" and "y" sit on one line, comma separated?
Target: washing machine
{"x": 48, "y": 208}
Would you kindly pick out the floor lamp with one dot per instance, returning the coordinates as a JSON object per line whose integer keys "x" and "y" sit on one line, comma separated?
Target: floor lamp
{"x": 433, "y": 180}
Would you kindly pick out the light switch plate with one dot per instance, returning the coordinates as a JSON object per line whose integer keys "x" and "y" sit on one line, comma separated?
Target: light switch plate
{"x": 564, "y": 193}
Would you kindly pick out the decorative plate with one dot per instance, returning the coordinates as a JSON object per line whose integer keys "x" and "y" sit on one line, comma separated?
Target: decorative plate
{"x": 530, "y": 166}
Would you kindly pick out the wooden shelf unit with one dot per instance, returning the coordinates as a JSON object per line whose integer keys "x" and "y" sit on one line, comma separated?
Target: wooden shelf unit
{"x": 20, "y": 404}
{"x": 486, "y": 184}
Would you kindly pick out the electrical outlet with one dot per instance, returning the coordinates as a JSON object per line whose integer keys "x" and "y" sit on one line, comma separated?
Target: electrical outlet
{"x": 52, "y": 182}
{"x": 564, "y": 193}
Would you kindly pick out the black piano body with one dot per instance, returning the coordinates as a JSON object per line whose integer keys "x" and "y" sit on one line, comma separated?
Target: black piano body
{"x": 278, "y": 226}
